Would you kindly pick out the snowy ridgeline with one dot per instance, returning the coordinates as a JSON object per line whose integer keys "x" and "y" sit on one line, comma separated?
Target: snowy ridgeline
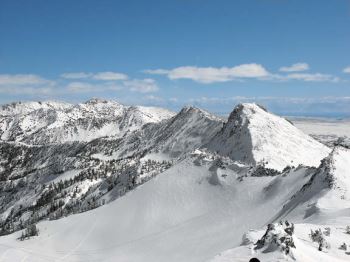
{"x": 161, "y": 186}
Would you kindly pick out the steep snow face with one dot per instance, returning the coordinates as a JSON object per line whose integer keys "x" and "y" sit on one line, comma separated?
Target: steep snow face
{"x": 49, "y": 122}
{"x": 253, "y": 135}
{"x": 189, "y": 129}
{"x": 337, "y": 174}
{"x": 326, "y": 192}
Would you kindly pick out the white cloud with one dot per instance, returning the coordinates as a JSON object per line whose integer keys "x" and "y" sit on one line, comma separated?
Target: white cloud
{"x": 135, "y": 85}
{"x": 21, "y": 90}
{"x": 156, "y": 71}
{"x": 153, "y": 98}
{"x": 347, "y": 70}
{"x": 80, "y": 87}
{"x": 316, "y": 77}
{"x": 142, "y": 85}
{"x": 108, "y": 76}
{"x": 83, "y": 87}
{"x": 23, "y": 79}
{"x": 25, "y": 84}
{"x": 249, "y": 71}
{"x": 105, "y": 76}
{"x": 209, "y": 75}
{"x": 295, "y": 67}
{"x": 77, "y": 75}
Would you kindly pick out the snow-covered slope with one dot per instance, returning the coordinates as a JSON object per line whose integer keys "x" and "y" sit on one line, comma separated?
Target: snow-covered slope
{"x": 253, "y": 135}
{"x": 191, "y": 212}
{"x": 326, "y": 192}
{"x": 322, "y": 202}
{"x": 144, "y": 184}
{"x": 53, "y": 122}
{"x": 80, "y": 174}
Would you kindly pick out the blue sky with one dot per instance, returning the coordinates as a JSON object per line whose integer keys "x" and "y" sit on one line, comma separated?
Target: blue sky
{"x": 291, "y": 55}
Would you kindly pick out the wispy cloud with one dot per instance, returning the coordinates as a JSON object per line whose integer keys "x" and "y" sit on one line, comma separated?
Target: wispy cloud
{"x": 209, "y": 75}
{"x": 134, "y": 85}
{"x": 85, "y": 83}
{"x": 36, "y": 85}
{"x": 105, "y": 76}
{"x": 77, "y": 75}
{"x": 295, "y": 67}
{"x": 21, "y": 90}
{"x": 155, "y": 99}
{"x": 142, "y": 85}
{"x": 316, "y": 77}
{"x": 83, "y": 87}
{"x": 347, "y": 70}
{"x": 23, "y": 79}
{"x": 25, "y": 84}
{"x": 109, "y": 76}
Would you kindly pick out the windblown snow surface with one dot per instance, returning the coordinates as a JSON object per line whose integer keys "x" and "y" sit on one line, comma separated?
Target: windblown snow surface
{"x": 214, "y": 202}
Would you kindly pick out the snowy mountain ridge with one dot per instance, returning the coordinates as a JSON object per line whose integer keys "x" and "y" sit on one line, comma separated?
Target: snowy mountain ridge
{"x": 17, "y": 108}
{"x": 132, "y": 183}
{"x": 55, "y": 122}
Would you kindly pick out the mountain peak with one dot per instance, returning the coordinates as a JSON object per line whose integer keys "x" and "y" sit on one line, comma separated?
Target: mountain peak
{"x": 190, "y": 109}
{"x": 193, "y": 110}
{"x": 246, "y": 110}
{"x": 254, "y": 136}
{"x": 96, "y": 100}
{"x": 100, "y": 101}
